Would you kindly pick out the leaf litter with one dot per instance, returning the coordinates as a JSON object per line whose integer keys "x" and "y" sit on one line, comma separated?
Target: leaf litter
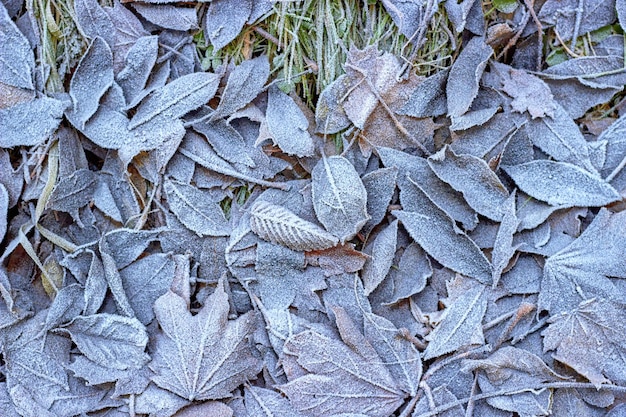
{"x": 176, "y": 241}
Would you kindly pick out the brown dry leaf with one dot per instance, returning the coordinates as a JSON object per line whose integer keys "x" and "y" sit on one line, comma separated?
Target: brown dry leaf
{"x": 338, "y": 260}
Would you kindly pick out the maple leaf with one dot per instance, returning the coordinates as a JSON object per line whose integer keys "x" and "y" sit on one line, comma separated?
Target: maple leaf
{"x": 204, "y": 356}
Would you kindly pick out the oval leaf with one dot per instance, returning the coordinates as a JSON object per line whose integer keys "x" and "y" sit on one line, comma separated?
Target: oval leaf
{"x": 288, "y": 125}
{"x": 339, "y": 197}
{"x": 560, "y": 183}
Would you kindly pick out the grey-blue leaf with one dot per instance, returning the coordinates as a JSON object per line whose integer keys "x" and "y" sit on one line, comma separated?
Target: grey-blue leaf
{"x": 503, "y": 248}
{"x": 429, "y": 98}
{"x": 465, "y": 74}
{"x": 110, "y": 340}
{"x": 560, "y": 138}
{"x": 244, "y": 83}
{"x": 288, "y": 125}
{"x": 382, "y": 251}
{"x": 146, "y": 280}
{"x": 330, "y": 117}
{"x": 437, "y": 234}
{"x": 30, "y": 123}
{"x": 195, "y": 209}
{"x": 561, "y": 183}
{"x": 225, "y": 19}
{"x": 140, "y": 61}
{"x": 443, "y": 195}
{"x": 339, "y": 197}
{"x": 93, "y": 21}
{"x": 226, "y": 141}
{"x": 92, "y": 79}
{"x": 17, "y": 62}
{"x": 480, "y": 186}
{"x": 177, "y": 98}
{"x": 169, "y": 16}
{"x": 461, "y": 325}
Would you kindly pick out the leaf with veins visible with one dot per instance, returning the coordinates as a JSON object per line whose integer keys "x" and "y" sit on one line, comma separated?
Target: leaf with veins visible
{"x": 205, "y": 356}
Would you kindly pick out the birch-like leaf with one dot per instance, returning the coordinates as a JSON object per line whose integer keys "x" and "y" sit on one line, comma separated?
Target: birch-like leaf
{"x": 139, "y": 61}
{"x": 244, "y": 83}
{"x": 204, "y": 356}
{"x": 225, "y": 19}
{"x": 110, "y": 340}
{"x": 480, "y": 186}
{"x": 93, "y": 21}
{"x": 337, "y": 378}
{"x": 288, "y": 125}
{"x": 437, "y": 234}
{"x": 579, "y": 272}
{"x": 279, "y": 225}
{"x": 339, "y": 197}
{"x": 92, "y": 78}
{"x": 17, "y": 62}
{"x": 382, "y": 250}
{"x": 620, "y": 7}
{"x": 30, "y": 123}
{"x": 461, "y": 325}
{"x": 177, "y": 98}
{"x": 590, "y": 340}
{"x": 561, "y": 183}
{"x": 465, "y": 74}
{"x": 195, "y": 209}
{"x": 591, "y": 15}
{"x": 560, "y": 138}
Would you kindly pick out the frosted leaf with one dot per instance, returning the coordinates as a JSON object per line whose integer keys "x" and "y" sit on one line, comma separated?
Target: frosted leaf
{"x": 561, "y": 183}
{"x": 30, "y": 123}
{"x": 503, "y": 249}
{"x": 529, "y": 93}
{"x": 195, "y": 210}
{"x": 593, "y": 15}
{"x": 110, "y": 340}
{"x": 225, "y": 19}
{"x": 560, "y": 137}
{"x": 73, "y": 192}
{"x": 437, "y": 234}
{"x": 288, "y": 125}
{"x": 589, "y": 339}
{"x": 461, "y": 325}
{"x": 382, "y": 251}
{"x": 204, "y": 356}
{"x": 226, "y": 141}
{"x": 139, "y": 61}
{"x": 177, "y": 98}
{"x": 279, "y": 225}
{"x": 244, "y": 83}
{"x": 91, "y": 80}
{"x": 4, "y": 209}
{"x": 380, "y": 186}
{"x": 465, "y": 75}
{"x": 480, "y": 186}
{"x": 168, "y": 16}
{"x": 330, "y": 117}
{"x": 429, "y": 98}
{"x": 339, "y": 197}
{"x": 93, "y": 21}
{"x": 337, "y": 378}
{"x": 17, "y": 62}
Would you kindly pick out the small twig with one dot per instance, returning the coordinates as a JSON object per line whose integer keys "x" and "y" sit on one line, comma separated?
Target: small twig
{"x": 469, "y": 410}
{"x": 523, "y": 310}
{"x": 411, "y": 405}
{"x": 569, "y": 51}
